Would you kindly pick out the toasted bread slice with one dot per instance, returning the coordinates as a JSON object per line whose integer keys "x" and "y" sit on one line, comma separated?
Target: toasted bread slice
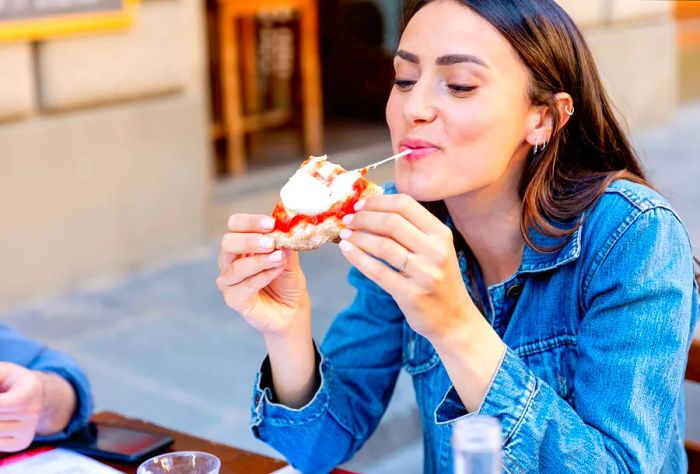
{"x": 308, "y": 236}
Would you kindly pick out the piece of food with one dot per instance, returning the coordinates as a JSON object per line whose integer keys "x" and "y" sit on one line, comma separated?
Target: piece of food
{"x": 314, "y": 201}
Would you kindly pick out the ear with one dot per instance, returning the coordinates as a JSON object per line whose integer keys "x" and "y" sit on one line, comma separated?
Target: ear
{"x": 541, "y": 122}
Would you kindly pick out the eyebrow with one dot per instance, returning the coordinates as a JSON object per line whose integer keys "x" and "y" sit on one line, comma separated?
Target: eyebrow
{"x": 443, "y": 60}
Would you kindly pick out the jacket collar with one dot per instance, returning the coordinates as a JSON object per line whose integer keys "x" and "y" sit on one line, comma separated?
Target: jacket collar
{"x": 534, "y": 261}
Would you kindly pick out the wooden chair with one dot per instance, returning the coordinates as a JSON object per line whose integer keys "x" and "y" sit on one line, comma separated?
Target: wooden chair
{"x": 237, "y": 66}
{"x": 692, "y": 373}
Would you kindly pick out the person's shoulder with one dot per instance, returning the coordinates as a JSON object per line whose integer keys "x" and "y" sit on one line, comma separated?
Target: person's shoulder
{"x": 626, "y": 204}
{"x": 624, "y": 201}
{"x": 636, "y": 195}
{"x": 389, "y": 188}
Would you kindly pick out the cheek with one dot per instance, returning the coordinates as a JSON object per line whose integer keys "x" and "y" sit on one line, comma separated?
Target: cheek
{"x": 479, "y": 150}
{"x": 468, "y": 133}
{"x": 393, "y": 113}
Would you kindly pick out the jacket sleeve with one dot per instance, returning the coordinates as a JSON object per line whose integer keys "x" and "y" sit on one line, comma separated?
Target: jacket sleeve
{"x": 359, "y": 363}
{"x": 33, "y": 355}
{"x": 640, "y": 309}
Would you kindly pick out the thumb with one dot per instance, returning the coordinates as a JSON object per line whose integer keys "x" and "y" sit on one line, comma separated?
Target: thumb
{"x": 292, "y": 259}
{"x": 8, "y": 376}
{"x": 7, "y": 369}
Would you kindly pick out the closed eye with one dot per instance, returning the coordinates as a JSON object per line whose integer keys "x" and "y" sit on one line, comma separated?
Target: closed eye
{"x": 460, "y": 88}
{"x": 403, "y": 84}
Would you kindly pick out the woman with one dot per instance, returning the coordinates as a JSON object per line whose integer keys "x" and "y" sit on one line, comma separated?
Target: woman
{"x": 543, "y": 282}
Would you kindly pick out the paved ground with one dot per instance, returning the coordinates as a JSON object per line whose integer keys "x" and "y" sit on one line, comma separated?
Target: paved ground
{"x": 161, "y": 345}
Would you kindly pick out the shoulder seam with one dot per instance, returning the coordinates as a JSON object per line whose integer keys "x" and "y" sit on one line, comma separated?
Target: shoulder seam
{"x": 640, "y": 202}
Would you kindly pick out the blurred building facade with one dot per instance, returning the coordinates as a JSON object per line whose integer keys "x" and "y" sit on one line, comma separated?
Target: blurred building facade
{"x": 104, "y": 161}
{"x": 107, "y": 156}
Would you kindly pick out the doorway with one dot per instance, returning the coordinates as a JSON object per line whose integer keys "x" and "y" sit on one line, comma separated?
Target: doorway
{"x": 357, "y": 41}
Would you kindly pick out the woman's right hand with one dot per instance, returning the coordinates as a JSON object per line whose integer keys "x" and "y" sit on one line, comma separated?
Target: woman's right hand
{"x": 266, "y": 286}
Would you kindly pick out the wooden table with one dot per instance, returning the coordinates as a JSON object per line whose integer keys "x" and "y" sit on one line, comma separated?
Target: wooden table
{"x": 233, "y": 460}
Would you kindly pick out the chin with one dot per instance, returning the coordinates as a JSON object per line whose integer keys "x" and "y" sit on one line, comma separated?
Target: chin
{"x": 418, "y": 190}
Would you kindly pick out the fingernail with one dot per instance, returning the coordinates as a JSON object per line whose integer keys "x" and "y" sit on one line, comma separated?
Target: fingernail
{"x": 347, "y": 219}
{"x": 360, "y": 204}
{"x": 275, "y": 256}
{"x": 345, "y": 234}
{"x": 266, "y": 242}
{"x": 268, "y": 223}
{"x": 345, "y": 246}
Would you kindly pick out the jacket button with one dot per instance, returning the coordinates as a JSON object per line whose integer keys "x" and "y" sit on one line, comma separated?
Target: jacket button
{"x": 514, "y": 291}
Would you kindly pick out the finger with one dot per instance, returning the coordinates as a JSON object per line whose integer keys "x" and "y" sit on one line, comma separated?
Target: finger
{"x": 10, "y": 444}
{"x": 257, "y": 282}
{"x": 391, "y": 281}
{"x": 291, "y": 258}
{"x": 240, "y": 297}
{"x": 225, "y": 259}
{"x": 241, "y": 243}
{"x": 412, "y": 265}
{"x": 7, "y": 369}
{"x": 396, "y": 227}
{"x": 12, "y": 401}
{"x": 251, "y": 223}
{"x": 11, "y": 427}
{"x": 381, "y": 247}
{"x": 406, "y": 206}
{"x": 244, "y": 268}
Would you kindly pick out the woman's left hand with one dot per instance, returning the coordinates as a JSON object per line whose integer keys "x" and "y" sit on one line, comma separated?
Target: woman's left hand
{"x": 427, "y": 283}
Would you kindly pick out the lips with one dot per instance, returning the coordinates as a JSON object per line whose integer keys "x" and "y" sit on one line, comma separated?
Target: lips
{"x": 420, "y": 148}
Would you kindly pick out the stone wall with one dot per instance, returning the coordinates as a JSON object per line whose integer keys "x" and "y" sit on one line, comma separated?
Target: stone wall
{"x": 635, "y": 45}
{"x": 104, "y": 162}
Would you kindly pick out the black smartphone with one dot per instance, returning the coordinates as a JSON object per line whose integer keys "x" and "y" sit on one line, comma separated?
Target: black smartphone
{"x": 116, "y": 443}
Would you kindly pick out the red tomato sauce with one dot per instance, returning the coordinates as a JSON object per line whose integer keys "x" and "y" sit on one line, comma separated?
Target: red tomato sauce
{"x": 338, "y": 210}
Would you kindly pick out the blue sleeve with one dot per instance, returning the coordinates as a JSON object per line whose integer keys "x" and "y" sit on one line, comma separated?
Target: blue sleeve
{"x": 640, "y": 310}
{"x": 359, "y": 363}
{"x": 33, "y": 355}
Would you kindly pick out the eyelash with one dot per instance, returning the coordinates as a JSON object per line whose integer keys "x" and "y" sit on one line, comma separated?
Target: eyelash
{"x": 403, "y": 84}
{"x": 456, "y": 88}
{"x": 461, "y": 89}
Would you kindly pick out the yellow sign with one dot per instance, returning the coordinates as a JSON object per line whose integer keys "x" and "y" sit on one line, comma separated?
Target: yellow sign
{"x": 38, "y": 19}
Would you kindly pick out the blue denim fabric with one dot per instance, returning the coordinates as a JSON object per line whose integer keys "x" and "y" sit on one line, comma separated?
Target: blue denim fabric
{"x": 597, "y": 337}
{"x": 33, "y": 355}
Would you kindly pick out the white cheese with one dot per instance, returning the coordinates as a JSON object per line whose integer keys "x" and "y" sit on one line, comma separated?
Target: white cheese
{"x": 326, "y": 171}
{"x": 342, "y": 186}
{"x": 304, "y": 194}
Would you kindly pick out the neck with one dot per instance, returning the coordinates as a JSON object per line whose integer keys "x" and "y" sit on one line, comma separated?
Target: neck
{"x": 489, "y": 221}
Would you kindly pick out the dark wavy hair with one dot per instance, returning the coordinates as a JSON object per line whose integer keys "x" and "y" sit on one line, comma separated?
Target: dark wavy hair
{"x": 592, "y": 149}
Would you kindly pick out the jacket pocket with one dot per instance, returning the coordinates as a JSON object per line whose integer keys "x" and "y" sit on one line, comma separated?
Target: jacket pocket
{"x": 553, "y": 360}
{"x": 418, "y": 354}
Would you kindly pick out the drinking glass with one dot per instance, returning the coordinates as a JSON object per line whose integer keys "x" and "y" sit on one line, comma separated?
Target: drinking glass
{"x": 181, "y": 462}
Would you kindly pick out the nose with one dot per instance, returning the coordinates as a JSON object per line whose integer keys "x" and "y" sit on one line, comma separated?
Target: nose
{"x": 419, "y": 106}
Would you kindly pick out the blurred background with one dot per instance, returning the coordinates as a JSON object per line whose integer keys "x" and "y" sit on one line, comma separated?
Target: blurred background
{"x": 130, "y": 130}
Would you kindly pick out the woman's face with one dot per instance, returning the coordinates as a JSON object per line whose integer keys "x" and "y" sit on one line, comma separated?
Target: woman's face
{"x": 460, "y": 100}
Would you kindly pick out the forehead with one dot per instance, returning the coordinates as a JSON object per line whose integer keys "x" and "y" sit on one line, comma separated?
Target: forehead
{"x": 448, "y": 27}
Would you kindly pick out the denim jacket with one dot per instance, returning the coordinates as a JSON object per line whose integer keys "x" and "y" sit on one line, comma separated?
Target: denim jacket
{"x": 591, "y": 381}
{"x": 19, "y": 349}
